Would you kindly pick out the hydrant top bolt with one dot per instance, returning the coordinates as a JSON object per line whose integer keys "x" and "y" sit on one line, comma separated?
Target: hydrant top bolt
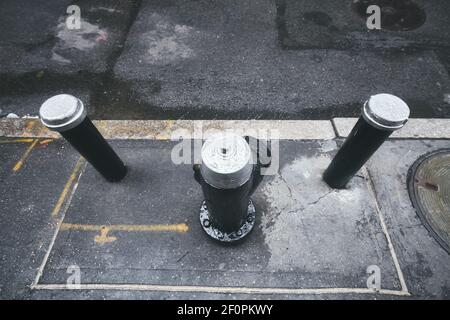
{"x": 386, "y": 112}
{"x": 62, "y": 112}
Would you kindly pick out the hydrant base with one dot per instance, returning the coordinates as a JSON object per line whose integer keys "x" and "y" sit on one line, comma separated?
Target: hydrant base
{"x": 228, "y": 237}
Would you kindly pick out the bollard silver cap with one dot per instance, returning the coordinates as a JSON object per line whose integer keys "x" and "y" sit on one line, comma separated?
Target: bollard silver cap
{"x": 62, "y": 112}
{"x": 386, "y": 112}
{"x": 226, "y": 161}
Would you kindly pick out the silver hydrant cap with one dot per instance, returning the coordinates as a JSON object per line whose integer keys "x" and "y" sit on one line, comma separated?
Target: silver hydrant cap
{"x": 386, "y": 112}
{"x": 226, "y": 161}
{"x": 62, "y": 112}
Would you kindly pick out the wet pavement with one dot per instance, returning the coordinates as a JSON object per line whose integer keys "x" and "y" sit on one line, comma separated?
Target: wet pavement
{"x": 141, "y": 238}
{"x": 262, "y": 59}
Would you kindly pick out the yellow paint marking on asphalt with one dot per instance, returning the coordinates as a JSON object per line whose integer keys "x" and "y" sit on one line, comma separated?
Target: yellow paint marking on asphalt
{"x": 66, "y": 189}
{"x": 45, "y": 142}
{"x": 103, "y": 237}
{"x": 105, "y": 229}
{"x": 24, "y": 140}
{"x": 20, "y": 163}
{"x": 182, "y": 227}
{"x": 44, "y": 132}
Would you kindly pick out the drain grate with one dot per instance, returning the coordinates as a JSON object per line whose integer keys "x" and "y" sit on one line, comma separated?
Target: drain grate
{"x": 429, "y": 190}
{"x": 396, "y": 15}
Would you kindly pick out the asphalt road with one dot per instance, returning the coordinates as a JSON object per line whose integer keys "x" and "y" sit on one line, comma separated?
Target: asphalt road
{"x": 251, "y": 59}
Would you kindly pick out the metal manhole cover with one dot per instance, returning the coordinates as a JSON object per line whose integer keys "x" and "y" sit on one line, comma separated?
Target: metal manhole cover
{"x": 429, "y": 190}
{"x": 396, "y": 15}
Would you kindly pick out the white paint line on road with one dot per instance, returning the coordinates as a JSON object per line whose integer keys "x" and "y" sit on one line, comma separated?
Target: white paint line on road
{"x": 371, "y": 188}
{"x": 60, "y": 219}
{"x": 213, "y": 289}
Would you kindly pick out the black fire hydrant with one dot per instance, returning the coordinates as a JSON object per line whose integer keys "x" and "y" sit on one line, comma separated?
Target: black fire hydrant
{"x": 229, "y": 174}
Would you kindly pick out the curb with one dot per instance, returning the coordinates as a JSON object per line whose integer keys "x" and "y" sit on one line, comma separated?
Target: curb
{"x": 198, "y": 129}
{"x": 413, "y": 129}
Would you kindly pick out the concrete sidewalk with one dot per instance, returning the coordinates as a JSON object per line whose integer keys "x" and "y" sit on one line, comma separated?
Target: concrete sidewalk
{"x": 141, "y": 238}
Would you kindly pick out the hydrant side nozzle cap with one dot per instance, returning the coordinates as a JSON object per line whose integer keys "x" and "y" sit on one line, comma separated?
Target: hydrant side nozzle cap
{"x": 226, "y": 161}
{"x": 386, "y": 112}
{"x": 62, "y": 112}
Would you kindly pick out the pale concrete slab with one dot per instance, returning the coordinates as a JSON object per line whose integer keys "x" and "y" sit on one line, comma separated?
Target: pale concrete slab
{"x": 414, "y": 128}
{"x": 188, "y": 129}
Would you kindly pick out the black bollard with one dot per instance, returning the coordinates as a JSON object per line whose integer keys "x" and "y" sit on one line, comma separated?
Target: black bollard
{"x": 382, "y": 114}
{"x": 228, "y": 178}
{"x": 67, "y": 115}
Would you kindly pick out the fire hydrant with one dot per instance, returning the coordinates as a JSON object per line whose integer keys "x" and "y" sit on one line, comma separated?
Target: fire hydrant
{"x": 229, "y": 174}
